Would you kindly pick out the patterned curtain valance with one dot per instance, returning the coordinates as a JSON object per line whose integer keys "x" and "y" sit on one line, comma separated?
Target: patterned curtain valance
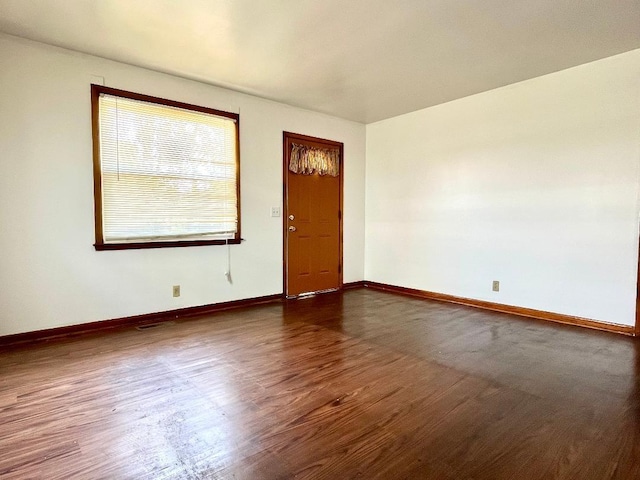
{"x": 309, "y": 160}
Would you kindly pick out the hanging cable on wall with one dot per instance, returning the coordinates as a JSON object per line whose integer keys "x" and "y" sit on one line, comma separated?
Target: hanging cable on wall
{"x": 227, "y": 274}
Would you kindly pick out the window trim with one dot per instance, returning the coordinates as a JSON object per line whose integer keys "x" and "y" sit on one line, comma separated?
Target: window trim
{"x": 100, "y": 244}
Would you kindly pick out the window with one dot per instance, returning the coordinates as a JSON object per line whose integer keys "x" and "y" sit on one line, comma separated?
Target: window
{"x": 165, "y": 173}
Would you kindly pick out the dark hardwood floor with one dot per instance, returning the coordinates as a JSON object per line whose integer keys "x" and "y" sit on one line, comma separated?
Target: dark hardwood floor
{"x": 364, "y": 384}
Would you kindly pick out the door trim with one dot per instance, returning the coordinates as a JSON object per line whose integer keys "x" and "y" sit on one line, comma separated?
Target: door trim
{"x": 636, "y": 330}
{"x": 288, "y": 137}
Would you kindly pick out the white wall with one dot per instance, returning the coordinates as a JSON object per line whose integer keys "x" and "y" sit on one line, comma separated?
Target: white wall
{"x": 50, "y": 274}
{"x": 534, "y": 184}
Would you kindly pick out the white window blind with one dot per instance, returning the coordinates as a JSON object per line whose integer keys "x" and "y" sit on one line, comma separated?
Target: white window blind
{"x": 168, "y": 173}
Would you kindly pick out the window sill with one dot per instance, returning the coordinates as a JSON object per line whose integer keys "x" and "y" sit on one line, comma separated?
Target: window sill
{"x": 168, "y": 244}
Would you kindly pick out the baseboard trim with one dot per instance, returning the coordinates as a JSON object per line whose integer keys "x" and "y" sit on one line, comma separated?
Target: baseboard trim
{"x": 137, "y": 320}
{"x": 133, "y": 321}
{"x": 499, "y": 307}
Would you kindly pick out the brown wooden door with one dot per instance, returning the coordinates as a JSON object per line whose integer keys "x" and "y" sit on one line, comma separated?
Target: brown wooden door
{"x": 312, "y": 225}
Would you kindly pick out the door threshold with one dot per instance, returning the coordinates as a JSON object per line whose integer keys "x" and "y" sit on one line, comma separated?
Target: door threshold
{"x": 311, "y": 294}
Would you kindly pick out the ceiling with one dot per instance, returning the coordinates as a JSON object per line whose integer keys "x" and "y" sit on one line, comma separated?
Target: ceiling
{"x": 363, "y": 60}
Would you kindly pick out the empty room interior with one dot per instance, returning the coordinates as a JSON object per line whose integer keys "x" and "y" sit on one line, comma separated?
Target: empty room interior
{"x": 319, "y": 239}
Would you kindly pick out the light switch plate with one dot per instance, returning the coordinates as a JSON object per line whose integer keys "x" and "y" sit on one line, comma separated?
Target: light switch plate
{"x": 275, "y": 211}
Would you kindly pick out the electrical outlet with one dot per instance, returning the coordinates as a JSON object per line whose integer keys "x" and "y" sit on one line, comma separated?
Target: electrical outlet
{"x": 496, "y": 286}
{"x": 176, "y": 290}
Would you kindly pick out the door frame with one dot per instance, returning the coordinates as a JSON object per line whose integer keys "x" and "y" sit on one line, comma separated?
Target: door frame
{"x": 287, "y": 138}
{"x": 636, "y": 330}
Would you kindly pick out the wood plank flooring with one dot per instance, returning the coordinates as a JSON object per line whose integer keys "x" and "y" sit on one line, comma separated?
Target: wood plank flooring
{"x": 360, "y": 384}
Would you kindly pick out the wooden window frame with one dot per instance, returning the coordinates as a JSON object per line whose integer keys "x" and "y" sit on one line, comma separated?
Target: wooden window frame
{"x": 96, "y": 91}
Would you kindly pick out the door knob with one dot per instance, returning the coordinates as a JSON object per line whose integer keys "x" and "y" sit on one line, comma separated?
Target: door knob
{"x": 292, "y": 228}
{"x": 291, "y": 217}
